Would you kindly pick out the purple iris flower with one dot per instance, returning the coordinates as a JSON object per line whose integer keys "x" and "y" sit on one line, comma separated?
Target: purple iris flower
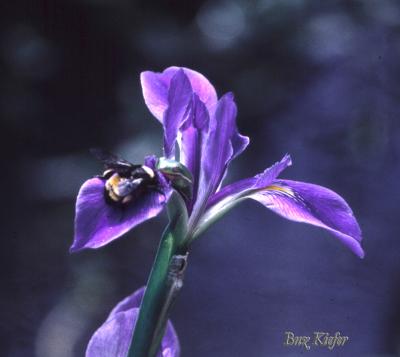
{"x": 200, "y": 141}
{"x": 200, "y": 132}
{"x": 114, "y": 336}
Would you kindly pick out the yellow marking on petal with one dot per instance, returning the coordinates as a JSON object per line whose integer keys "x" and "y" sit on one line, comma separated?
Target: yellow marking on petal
{"x": 286, "y": 190}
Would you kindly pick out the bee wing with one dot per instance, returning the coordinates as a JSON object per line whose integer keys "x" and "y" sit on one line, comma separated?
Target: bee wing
{"x": 110, "y": 160}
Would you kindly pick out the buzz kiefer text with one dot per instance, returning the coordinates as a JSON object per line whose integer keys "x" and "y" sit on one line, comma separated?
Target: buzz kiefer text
{"x": 317, "y": 339}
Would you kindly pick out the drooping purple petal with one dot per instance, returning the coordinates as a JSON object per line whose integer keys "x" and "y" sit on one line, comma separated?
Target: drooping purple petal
{"x": 113, "y": 338}
{"x": 316, "y": 205}
{"x": 229, "y": 196}
{"x": 271, "y": 173}
{"x": 246, "y": 186}
{"x": 297, "y": 201}
{"x": 179, "y": 97}
{"x": 97, "y": 222}
{"x": 155, "y": 87}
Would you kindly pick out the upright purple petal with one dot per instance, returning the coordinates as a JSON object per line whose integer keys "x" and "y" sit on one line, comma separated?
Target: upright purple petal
{"x": 179, "y": 97}
{"x": 193, "y": 133}
{"x": 97, "y": 222}
{"x": 205, "y": 128}
{"x": 316, "y": 205}
{"x": 155, "y": 87}
{"x": 201, "y": 86}
{"x": 239, "y": 143}
{"x": 113, "y": 338}
{"x": 222, "y": 145}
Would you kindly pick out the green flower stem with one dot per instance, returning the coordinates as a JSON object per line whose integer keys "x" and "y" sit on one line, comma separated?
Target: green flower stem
{"x": 165, "y": 281}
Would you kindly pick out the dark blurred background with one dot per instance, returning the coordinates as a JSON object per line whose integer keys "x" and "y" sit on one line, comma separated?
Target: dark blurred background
{"x": 317, "y": 79}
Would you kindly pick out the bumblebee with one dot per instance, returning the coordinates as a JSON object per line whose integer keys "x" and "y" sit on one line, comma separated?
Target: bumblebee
{"x": 124, "y": 180}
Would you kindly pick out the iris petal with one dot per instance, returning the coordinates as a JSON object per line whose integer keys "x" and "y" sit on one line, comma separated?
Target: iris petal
{"x": 296, "y": 201}
{"x": 179, "y": 97}
{"x": 316, "y": 205}
{"x": 113, "y": 338}
{"x": 223, "y": 143}
{"x": 270, "y": 174}
{"x": 246, "y": 186}
{"x": 205, "y": 128}
{"x": 193, "y": 133}
{"x": 97, "y": 222}
{"x": 155, "y": 87}
{"x": 230, "y": 195}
